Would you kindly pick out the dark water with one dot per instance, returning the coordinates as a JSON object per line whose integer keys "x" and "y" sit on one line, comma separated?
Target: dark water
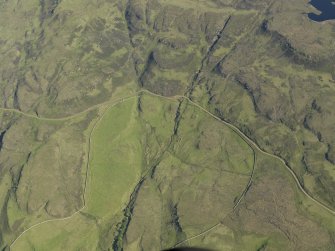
{"x": 327, "y": 9}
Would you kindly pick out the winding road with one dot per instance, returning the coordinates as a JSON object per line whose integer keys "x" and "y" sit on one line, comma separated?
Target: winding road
{"x": 112, "y": 103}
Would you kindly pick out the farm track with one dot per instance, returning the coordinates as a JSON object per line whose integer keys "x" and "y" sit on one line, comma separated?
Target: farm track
{"x": 112, "y": 103}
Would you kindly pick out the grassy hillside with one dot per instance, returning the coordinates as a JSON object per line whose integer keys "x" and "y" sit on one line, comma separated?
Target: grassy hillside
{"x": 172, "y": 179}
{"x": 120, "y": 119}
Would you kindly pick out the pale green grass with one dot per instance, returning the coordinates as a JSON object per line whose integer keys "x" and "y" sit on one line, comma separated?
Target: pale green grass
{"x": 77, "y": 233}
{"x": 115, "y": 167}
{"x": 203, "y": 151}
{"x": 207, "y": 142}
{"x": 116, "y": 161}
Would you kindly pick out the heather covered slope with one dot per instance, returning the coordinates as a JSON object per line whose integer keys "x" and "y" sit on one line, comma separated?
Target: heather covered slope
{"x": 93, "y": 161}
